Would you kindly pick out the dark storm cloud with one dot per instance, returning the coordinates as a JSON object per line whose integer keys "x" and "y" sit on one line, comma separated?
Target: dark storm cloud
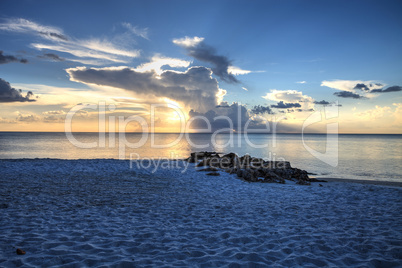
{"x": 348, "y": 94}
{"x": 282, "y": 105}
{"x": 9, "y": 94}
{"x": 223, "y": 104}
{"x": 52, "y": 56}
{"x": 323, "y": 102}
{"x": 235, "y": 117}
{"x": 195, "y": 87}
{"x": 9, "y": 58}
{"x": 259, "y": 109}
{"x": 206, "y": 53}
{"x": 387, "y": 90}
{"x": 362, "y": 86}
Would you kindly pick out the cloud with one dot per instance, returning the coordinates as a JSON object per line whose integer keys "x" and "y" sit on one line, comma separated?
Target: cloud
{"x": 59, "y": 112}
{"x": 287, "y": 99}
{"x": 20, "y": 25}
{"x": 27, "y": 118}
{"x": 52, "y": 56}
{"x": 142, "y": 32}
{"x": 358, "y": 87}
{"x": 282, "y": 105}
{"x": 223, "y": 104}
{"x": 157, "y": 62}
{"x": 287, "y": 96}
{"x": 9, "y": 58}
{"x": 86, "y": 50}
{"x": 259, "y": 109}
{"x": 301, "y": 82}
{"x": 237, "y": 71}
{"x": 197, "y": 49}
{"x": 387, "y": 90}
{"x": 354, "y": 86}
{"x": 348, "y": 94}
{"x": 195, "y": 87}
{"x": 234, "y": 117}
{"x": 188, "y": 42}
{"x": 9, "y": 94}
{"x": 53, "y": 119}
{"x": 362, "y": 86}
{"x": 7, "y": 121}
{"x": 374, "y": 114}
{"x": 323, "y": 102}
{"x": 398, "y": 113}
{"x": 245, "y": 88}
{"x": 238, "y": 118}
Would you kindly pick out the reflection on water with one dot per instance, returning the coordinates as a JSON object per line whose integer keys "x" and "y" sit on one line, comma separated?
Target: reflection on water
{"x": 360, "y": 156}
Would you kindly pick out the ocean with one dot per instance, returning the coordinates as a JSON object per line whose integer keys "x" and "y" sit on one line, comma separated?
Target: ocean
{"x": 348, "y": 156}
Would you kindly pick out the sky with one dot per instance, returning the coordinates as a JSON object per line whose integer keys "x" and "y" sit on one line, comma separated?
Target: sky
{"x": 284, "y": 66}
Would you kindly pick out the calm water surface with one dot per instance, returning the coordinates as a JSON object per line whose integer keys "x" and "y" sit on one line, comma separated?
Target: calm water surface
{"x": 375, "y": 157}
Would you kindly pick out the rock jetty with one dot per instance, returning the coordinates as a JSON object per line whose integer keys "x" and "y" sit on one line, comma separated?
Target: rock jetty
{"x": 249, "y": 168}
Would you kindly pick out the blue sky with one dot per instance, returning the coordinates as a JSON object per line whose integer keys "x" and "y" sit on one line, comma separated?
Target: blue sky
{"x": 344, "y": 43}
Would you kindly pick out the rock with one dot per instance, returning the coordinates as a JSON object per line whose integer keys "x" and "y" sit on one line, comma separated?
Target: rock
{"x": 316, "y": 180}
{"x": 191, "y": 160}
{"x": 231, "y": 170}
{"x": 208, "y": 169}
{"x": 303, "y": 182}
{"x": 215, "y": 161}
{"x": 249, "y": 175}
{"x": 20, "y": 251}
{"x": 320, "y": 185}
{"x": 239, "y": 173}
{"x": 256, "y": 163}
{"x": 204, "y": 162}
{"x": 250, "y": 168}
{"x": 271, "y": 177}
{"x": 225, "y": 162}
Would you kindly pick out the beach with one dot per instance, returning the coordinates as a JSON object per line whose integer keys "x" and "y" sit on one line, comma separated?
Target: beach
{"x": 104, "y": 212}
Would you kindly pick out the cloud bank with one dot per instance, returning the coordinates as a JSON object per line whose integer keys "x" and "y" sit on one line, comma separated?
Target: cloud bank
{"x": 9, "y": 58}
{"x": 197, "y": 49}
{"x": 10, "y": 94}
{"x": 357, "y": 89}
{"x": 95, "y": 51}
{"x": 194, "y": 87}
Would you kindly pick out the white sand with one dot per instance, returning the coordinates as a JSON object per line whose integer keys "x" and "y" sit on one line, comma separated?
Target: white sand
{"x": 100, "y": 212}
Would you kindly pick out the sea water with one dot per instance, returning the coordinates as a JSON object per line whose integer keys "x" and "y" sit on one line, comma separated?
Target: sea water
{"x": 354, "y": 156}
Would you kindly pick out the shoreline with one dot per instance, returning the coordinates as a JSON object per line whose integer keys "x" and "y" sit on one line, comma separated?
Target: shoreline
{"x": 366, "y": 182}
{"x": 328, "y": 179}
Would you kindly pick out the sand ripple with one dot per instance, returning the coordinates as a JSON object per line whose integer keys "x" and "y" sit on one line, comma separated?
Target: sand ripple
{"x": 99, "y": 212}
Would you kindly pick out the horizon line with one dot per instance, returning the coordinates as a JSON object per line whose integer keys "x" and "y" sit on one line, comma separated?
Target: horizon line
{"x": 288, "y": 133}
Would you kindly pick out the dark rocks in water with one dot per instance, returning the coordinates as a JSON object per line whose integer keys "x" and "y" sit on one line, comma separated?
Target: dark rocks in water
{"x": 204, "y": 162}
{"x": 302, "y": 182}
{"x": 231, "y": 170}
{"x": 317, "y": 180}
{"x": 20, "y": 251}
{"x": 195, "y": 157}
{"x": 270, "y": 176}
{"x": 247, "y": 175}
{"x": 209, "y": 169}
{"x": 249, "y": 168}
